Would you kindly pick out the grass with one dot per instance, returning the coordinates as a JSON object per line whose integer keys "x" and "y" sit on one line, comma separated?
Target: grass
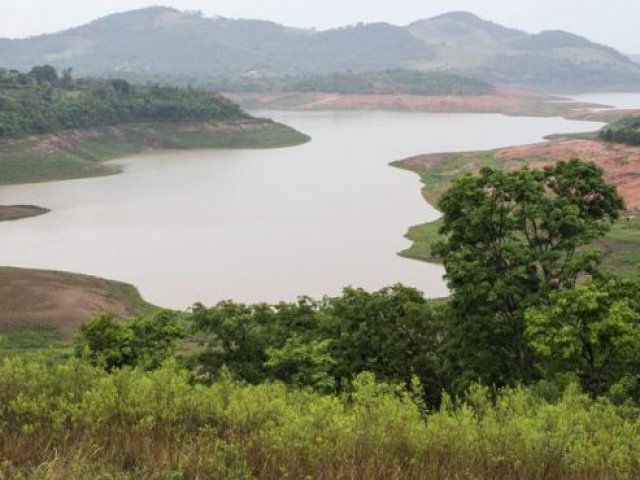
{"x": 621, "y": 245}
{"x": 80, "y": 154}
{"x": 21, "y": 340}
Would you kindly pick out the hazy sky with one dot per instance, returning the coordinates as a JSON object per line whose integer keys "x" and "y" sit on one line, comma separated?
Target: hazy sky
{"x": 614, "y": 22}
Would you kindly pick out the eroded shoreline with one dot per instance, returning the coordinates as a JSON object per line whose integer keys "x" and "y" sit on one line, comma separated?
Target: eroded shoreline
{"x": 621, "y": 164}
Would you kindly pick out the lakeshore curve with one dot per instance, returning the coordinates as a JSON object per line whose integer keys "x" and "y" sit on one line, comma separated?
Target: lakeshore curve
{"x": 621, "y": 164}
{"x": 82, "y": 153}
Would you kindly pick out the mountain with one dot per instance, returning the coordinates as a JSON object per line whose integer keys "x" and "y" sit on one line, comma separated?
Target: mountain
{"x": 635, "y": 58}
{"x": 164, "y": 43}
{"x": 555, "y": 59}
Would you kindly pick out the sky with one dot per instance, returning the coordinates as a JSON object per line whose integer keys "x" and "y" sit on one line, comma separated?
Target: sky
{"x": 612, "y": 22}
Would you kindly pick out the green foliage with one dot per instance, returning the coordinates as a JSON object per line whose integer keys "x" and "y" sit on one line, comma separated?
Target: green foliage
{"x": 43, "y": 104}
{"x": 394, "y": 333}
{"x": 164, "y": 44}
{"x": 626, "y": 130}
{"x": 111, "y": 343}
{"x": 74, "y": 421}
{"x": 303, "y": 363}
{"x": 592, "y": 330}
{"x": 512, "y": 238}
{"x": 407, "y": 82}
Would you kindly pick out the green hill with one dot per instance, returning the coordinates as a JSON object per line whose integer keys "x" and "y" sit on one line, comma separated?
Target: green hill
{"x": 625, "y": 130}
{"x": 166, "y": 43}
{"x": 162, "y": 40}
{"x": 54, "y": 128}
{"x": 388, "y": 82}
{"x": 553, "y": 59}
{"x": 41, "y": 102}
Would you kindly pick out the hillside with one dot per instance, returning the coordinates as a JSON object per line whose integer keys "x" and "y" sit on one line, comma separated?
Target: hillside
{"x": 625, "y": 130}
{"x": 36, "y": 304}
{"x": 553, "y": 60}
{"x": 166, "y": 41}
{"x": 388, "y": 82}
{"x": 55, "y": 128}
{"x": 184, "y": 46}
{"x": 42, "y": 102}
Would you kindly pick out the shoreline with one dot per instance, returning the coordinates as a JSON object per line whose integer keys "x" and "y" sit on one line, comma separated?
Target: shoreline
{"x": 9, "y": 213}
{"x": 74, "y": 154}
{"x": 508, "y": 103}
{"x": 619, "y": 162}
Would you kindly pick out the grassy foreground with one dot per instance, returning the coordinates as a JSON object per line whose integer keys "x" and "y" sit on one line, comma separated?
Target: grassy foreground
{"x": 73, "y": 421}
{"x": 81, "y": 153}
{"x": 621, "y": 246}
{"x": 41, "y": 308}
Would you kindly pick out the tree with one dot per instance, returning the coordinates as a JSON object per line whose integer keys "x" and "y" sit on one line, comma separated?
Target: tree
{"x": 66, "y": 81}
{"x": 44, "y": 74}
{"x": 303, "y": 363}
{"x": 104, "y": 341}
{"x": 394, "y": 333}
{"x": 510, "y": 239}
{"x": 111, "y": 343}
{"x": 592, "y": 330}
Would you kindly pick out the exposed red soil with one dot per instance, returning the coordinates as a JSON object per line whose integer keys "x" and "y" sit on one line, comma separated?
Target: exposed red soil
{"x": 515, "y": 103}
{"x": 621, "y": 163}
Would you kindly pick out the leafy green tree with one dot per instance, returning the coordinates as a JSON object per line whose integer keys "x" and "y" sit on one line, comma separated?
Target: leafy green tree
{"x": 303, "y": 363}
{"x": 235, "y": 335}
{"x": 394, "y": 333}
{"x": 105, "y": 341}
{"x": 111, "y": 343}
{"x": 510, "y": 239}
{"x": 44, "y": 74}
{"x": 593, "y": 331}
{"x": 154, "y": 338}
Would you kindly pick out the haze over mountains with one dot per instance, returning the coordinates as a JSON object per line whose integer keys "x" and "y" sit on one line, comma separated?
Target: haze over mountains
{"x": 163, "y": 43}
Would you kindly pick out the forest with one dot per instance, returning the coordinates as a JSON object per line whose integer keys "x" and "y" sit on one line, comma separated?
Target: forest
{"x": 528, "y": 370}
{"x": 388, "y": 82}
{"x": 44, "y": 101}
{"x": 625, "y": 130}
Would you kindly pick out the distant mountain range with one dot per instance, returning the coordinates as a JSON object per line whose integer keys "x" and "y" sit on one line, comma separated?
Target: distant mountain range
{"x": 165, "y": 43}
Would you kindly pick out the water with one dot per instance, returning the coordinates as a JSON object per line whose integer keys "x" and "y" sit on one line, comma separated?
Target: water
{"x": 266, "y": 225}
{"x": 622, "y": 100}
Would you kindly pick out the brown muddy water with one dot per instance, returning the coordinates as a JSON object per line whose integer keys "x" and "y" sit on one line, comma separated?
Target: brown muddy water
{"x": 259, "y": 225}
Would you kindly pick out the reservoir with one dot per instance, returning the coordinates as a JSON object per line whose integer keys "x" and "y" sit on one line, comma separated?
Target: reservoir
{"x": 259, "y": 225}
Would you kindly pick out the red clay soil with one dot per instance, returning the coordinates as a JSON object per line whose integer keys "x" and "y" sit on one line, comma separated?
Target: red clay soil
{"x": 508, "y": 103}
{"x": 621, "y": 163}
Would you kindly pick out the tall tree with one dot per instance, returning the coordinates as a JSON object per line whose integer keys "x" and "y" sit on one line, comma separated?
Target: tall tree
{"x": 511, "y": 238}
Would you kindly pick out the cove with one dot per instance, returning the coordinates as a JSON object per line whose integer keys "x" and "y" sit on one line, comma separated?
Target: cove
{"x": 259, "y": 225}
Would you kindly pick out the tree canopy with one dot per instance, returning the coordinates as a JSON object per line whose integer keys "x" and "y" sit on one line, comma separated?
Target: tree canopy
{"x": 41, "y": 102}
{"x": 511, "y": 238}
